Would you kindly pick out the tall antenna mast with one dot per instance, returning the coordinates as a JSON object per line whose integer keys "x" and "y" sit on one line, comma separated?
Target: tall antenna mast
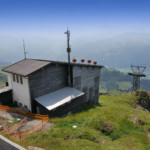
{"x": 68, "y": 51}
{"x": 137, "y": 72}
{"x": 24, "y": 48}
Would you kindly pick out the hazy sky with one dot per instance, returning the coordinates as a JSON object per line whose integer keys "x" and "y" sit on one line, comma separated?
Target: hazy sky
{"x": 42, "y": 24}
{"x": 53, "y": 16}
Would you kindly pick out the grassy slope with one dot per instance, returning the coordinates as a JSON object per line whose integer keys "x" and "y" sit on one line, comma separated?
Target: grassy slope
{"x": 112, "y": 79}
{"x": 3, "y": 77}
{"x": 115, "y": 109}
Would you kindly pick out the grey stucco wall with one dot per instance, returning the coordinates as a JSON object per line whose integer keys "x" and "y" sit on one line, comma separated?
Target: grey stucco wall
{"x": 48, "y": 79}
{"x": 86, "y": 79}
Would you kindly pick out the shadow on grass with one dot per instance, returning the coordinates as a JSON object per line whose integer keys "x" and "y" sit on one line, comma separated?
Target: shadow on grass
{"x": 88, "y": 106}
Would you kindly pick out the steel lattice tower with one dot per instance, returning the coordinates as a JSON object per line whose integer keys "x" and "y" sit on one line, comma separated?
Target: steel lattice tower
{"x": 137, "y": 72}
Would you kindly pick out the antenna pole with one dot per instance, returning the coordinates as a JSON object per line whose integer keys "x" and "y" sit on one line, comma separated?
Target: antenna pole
{"x": 68, "y": 51}
{"x": 24, "y": 48}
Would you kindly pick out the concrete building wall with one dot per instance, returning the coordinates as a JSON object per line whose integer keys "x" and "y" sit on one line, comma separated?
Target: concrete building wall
{"x": 20, "y": 91}
{"x": 86, "y": 79}
{"x": 9, "y": 78}
{"x": 48, "y": 79}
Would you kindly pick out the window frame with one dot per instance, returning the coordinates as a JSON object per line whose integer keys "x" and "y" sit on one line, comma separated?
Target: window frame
{"x": 17, "y": 78}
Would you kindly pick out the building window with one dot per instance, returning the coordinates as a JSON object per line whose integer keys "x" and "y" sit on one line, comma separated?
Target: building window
{"x": 21, "y": 80}
{"x": 14, "y": 77}
{"x": 17, "y": 77}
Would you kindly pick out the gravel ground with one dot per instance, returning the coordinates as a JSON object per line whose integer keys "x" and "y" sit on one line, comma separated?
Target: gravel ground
{"x": 30, "y": 124}
{"x": 2, "y": 120}
{"x": 6, "y": 116}
{"x": 13, "y": 116}
{"x": 10, "y": 116}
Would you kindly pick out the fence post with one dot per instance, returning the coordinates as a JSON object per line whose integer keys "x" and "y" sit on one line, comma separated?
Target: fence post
{"x": 19, "y": 135}
{"x": 26, "y": 133}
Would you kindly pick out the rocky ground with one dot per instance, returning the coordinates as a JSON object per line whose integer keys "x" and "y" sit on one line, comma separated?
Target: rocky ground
{"x": 8, "y": 117}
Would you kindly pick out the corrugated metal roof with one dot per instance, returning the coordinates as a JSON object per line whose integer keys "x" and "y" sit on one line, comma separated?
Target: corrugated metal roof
{"x": 59, "y": 97}
{"x": 26, "y": 66}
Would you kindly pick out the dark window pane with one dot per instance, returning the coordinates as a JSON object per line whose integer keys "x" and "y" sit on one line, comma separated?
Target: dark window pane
{"x": 21, "y": 81}
{"x": 17, "y": 78}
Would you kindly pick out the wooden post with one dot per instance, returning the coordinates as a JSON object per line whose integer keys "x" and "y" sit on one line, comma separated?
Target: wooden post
{"x": 26, "y": 132}
{"x": 19, "y": 135}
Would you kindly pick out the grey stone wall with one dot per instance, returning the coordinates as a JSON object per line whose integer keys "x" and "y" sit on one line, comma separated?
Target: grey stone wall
{"x": 48, "y": 79}
{"x": 86, "y": 79}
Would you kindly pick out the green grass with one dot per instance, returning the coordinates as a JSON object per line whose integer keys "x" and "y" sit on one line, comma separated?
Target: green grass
{"x": 124, "y": 85}
{"x": 108, "y": 126}
{"x": 3, "y": 66}
{"x": 118, "y": 92}
{"x": 3, "y": 77}
{"x": 2, "y": 84}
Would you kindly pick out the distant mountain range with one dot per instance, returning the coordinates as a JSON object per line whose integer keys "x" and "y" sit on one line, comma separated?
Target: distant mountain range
{"x": 119, "y": 51}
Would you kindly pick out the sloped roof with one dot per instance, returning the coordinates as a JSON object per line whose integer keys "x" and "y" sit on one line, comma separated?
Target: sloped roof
{"x": 26, "y": 66}
{"x": 59, "y": 97}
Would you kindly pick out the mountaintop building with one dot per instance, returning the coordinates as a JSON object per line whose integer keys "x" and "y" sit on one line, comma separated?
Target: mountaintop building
{"x": 41, "y": 86}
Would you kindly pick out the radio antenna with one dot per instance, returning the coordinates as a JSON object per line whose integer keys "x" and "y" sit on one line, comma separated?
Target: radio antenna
{"x": 68, "y": 51}
{"x": 24, "y": 48}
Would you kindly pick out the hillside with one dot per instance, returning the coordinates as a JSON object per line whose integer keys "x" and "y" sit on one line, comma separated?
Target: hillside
{"x": 3, "y": 77}
{"x": 112, "y": 125}
{"x": 113, "y": 79}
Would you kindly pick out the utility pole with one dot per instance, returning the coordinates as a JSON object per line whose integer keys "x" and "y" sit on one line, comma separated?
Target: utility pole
{"x": 137, "y": 72}
{"x": 68, "y": 51}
